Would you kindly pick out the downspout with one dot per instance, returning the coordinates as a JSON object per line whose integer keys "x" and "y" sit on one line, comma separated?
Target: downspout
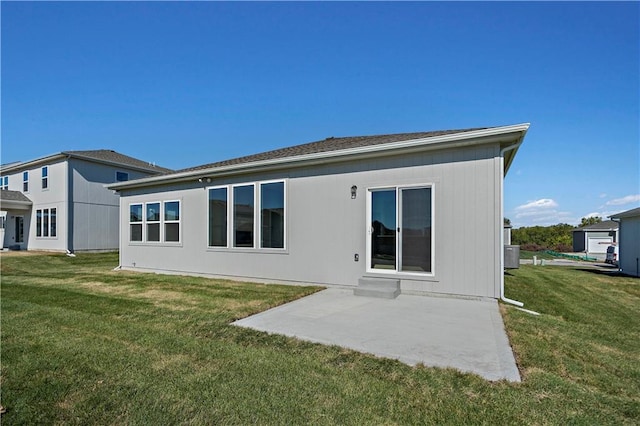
{"x": 502, "y": 151}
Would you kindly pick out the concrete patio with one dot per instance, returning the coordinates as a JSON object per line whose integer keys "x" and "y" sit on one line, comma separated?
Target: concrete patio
{"x": 464, "y": 334}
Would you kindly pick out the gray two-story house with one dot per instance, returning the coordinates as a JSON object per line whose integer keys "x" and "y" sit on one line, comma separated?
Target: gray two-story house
{"x": 59, "y": 202}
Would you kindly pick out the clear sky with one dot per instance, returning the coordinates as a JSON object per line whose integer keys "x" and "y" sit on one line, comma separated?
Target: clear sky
{"x": 183, "y": 84}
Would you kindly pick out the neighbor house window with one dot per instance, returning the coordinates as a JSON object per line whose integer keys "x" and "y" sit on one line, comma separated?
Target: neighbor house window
{"x": 153, "y": 222}
{"x": 272, "y": 215}
{"x": 25, "y": 182}
{"x": 46, "y": 222}
{"x": 38, "y": 223}
{"x": 53, "y": 223}
{"x": 45, "y": 177}
{"x": 252, "y": 220}
{"x": 172, "y": 221}
{"x": 218, "y": 217}
{"x": 122, "y": 176}
{"x": 4, "y": 182}
{"x": 135, "y": 222}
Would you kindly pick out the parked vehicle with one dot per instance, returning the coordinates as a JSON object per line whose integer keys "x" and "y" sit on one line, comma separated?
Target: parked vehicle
{"x": 612, "y": 255}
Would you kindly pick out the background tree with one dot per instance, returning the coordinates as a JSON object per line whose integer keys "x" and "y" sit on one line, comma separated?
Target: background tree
{"x": 556, "y": 237}
{"x": 586, "y": 221}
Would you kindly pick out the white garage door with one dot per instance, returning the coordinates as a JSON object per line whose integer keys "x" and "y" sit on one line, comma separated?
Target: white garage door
{"x": 599, "y": 245}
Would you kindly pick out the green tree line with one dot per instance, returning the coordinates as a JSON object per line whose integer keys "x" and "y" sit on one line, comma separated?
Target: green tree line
{"x": 555, "y": 237}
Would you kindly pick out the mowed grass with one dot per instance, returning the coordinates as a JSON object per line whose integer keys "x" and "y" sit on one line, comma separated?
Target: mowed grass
{"x": 83, "y": 344}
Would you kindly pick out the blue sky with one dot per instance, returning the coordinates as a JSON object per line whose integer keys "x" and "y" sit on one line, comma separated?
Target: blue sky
{"x": 183, "y": 84}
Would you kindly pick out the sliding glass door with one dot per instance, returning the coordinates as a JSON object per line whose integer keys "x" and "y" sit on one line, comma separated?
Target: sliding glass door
{"x": 400, "y": 229}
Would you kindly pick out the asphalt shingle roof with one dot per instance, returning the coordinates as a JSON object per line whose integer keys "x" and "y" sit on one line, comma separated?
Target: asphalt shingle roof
{"x": 628, "y": 213}
{"x": 327, "y": 145}
{"x": 604, "y": 225}
{"x": 7, "y": 195}
{"x": 116, "y": 157}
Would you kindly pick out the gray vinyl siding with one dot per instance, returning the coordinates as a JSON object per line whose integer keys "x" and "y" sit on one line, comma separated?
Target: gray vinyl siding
{"x": 325, "y": 227}
{"x": 95, "y": 209}
{"x": 54, "y": 196}
{"x": 629, "y": 245}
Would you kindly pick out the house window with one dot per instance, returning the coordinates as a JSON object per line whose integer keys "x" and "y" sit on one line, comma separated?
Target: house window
{"x": 4, "y": 182}
{"x": 272, "y": 215}
{"x": 243, "y": 216}
{"x": 122, "y": 176}
{"x": 25, "y": 182}
{"x": 53, "y": 223}
{"x": 45, "y": 177}
{"x": 135, "y": 222}
{"x": 251, "y": 220}
{"x": 153, "y": 222}
{"x": 38, "y": 223}
{"x": 218, "y": 217}
{"x": 172, "y": 221}
{"x": 46, "y": 223}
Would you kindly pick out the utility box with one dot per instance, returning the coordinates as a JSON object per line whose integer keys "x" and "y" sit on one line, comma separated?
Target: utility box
{"x": 511, "y": 257}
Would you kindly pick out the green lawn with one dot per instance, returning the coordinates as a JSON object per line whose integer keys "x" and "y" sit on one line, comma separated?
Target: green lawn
{"x": 83, "y": 344}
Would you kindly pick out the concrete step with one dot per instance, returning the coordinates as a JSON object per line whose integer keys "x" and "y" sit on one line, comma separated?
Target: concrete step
{"x": 378, "y": 287}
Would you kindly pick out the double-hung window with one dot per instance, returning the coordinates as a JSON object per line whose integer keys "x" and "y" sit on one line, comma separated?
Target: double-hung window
{"x": 154, "y": 222}
{"x": 247, "y": 216}
{"x": 45, "y": 177}
{"x": 172, "y": 221}
{"x": 25, "y": 181}
{"x": 4, "y": 182}
{"x": 46, "y": 223}
{"x": 135, "y": 222}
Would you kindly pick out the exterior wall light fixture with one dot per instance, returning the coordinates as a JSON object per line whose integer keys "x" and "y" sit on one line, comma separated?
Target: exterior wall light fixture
{"x": 354, "y": 190}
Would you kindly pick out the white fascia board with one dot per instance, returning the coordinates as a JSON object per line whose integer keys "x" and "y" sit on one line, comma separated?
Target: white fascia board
{"x": 15, "y": 205}
{"x": 15, "y": 167}
{"x": 505, "y": 134}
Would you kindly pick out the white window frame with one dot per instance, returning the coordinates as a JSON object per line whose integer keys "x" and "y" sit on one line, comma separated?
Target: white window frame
{"x": 231, "y": 223}
{"x": 141, "y": 222}
{"x": 398, "y": 188}
{"x": 25, "y": 181}
{"x": 45, "y": 178}
{"x": 41, "y": 228}
{"x": 148, "y": 222}
{"x": 4, "y": 182}
{"x": 284, "y": 213}
{"x": 144, "y": 222}
{"x": 257, "y": 217}
{"x": 164, "y": 222}
{"x": 229, "y": 219}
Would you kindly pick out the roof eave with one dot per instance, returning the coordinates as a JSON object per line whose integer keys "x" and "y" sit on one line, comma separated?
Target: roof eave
{"x": 506, "y": 135}
{"x": 29, "y": 164}
{"x": 112, "y": 163}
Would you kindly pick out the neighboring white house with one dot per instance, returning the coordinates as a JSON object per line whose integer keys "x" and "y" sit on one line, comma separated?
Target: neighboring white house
{"x": 422, "y": 210}
{"x": 59, "y": 202}
{"x": 595, "y": 238}
{"x": 629, "y": 243}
